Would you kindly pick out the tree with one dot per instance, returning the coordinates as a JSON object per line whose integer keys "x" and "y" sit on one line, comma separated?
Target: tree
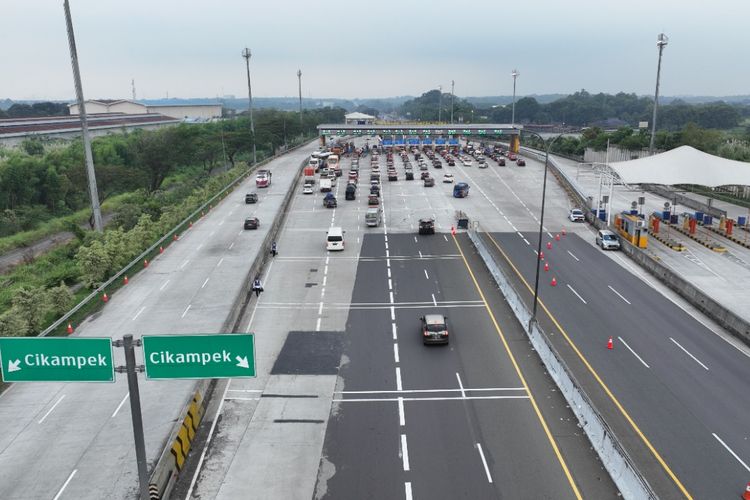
{"x": 13, "y": 323}
{"x": 157, "y": 154}
{"x": 60, "y": 298}
{"x": 94, "y": 262}
{"x": 32, "y": 304}
{"x": 33, "y": 147}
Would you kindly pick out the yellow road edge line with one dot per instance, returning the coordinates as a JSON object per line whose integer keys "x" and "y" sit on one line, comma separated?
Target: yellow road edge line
{"x": 538, "y": 412}
{"x": 604, "y": 386}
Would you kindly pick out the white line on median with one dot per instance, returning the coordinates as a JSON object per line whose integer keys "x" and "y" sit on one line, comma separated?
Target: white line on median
{"x": 573, "y": 290}
{"x": 139, "y": 313}
{"x": 618, "y": 294}
{"x": 50, "y": 410}
{"x": 120, "y": 405}
{"x": 634, "y": 353}
{"x": 484, "y": 462}
{"x": 688, "y": 353}
{"x": 731, "y": 451}
{"x": 65, "y": 485}
{"x": 404, "y": 453}
{"x": 186, "y": 310}
{"x": 395, "y": 353}
{"x": 571, "y": 254}
{"x": 204, "y": 283}
{"x": 399, "y": 387}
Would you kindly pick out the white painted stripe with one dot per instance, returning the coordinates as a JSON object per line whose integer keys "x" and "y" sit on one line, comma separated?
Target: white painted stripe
{"x": 65, "y": 485}
{"x": 618, "y": 294}
{"x": 328, "y": 259}
{"x": 390, "y": 284}
{"x": 484, "y": 462}
{"x": 244, "y": 390}
{"x": 184, "y": 263}
{"x": 388, "y": 262}
{"x": 325, "y": 280}
{"x": 120, "y": 405}
{"x": 50, "y": 410}
{"x": 317, "y": 325}
{"x": 404, "y": 453}
{"x": 139, "y": 312}
{"x": 460, "y": 385}
{"x": 426, "y": 275}
{"x": 415, "y": 239}
{"x": 325, "y": 269}
{"x": 634, "y": 353}
{"x": 458, "y": 398}
{"x": 527, "y": 241}
{"x": 399, "y": 387}
{"x": 395, "y": 353}
{"x": 731, "y": 451}
{"x": 393, "y": 313}
{"x": 420, "y": 254}
{"x": 412, "y": 391}
{"x": 230, "y": 246}
{"x": 390, "y": 294}
{"x": 393, "y": 329}
{"x": 389, "y": 272}
{"x": 220, "y": 261}
{"x": 165, "y": 284}
{"x": 186, "y": 310}
{"x": 320, "y": 309}
{"x": 571, "y": 254}
{"x": 573, "y": 290}
{"x": 237, "y": 233}
{"x": 519, "y": 233}
{"x": 445, "y": 237}
{"x": 387, "y": 253}
{"x": 199, "y": 246}
{"x": 434, "y": 302}
{"x": 204, "y": 283}
{"x": 401, "y": 414}
{"x": 688, "y": 353}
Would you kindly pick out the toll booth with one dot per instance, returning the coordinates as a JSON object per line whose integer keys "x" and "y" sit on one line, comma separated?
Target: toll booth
{"x": 633, "y": 228}
{"x": 515, "y": 143}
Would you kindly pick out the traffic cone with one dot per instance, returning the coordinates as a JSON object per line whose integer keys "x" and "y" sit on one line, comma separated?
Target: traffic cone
{"x": 126, "y": 280}
{"x": 541, "y": 255}
{"x": 549, "y": 245}
{"x": 453, "y": 231}
{"x": 105, "y": 298}
{"x": 191, "y": 224}
{"x": 610, "y": 344}
{"x": 70, "y": 328}
{"x": 563, "y": 232}
{"x": 161, "y": 249}
{"x": 746, "y": 495}
{"x": 145, "y": 262}
{"x": 557, "y": 237}
{"x": 175, "y": 237}
{"x": 546, "y": 266}
{"x": 553, "y": 282}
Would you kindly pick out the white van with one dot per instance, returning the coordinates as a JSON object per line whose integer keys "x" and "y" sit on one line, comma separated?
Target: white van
{"x": 335, "y": 239}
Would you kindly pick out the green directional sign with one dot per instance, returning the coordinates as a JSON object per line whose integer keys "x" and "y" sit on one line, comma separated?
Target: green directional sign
{"x": 49, "y": 359}
{"x": 199, "y": 356}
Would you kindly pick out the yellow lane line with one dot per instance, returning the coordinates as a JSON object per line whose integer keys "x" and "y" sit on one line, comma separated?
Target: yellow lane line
{"x": 619, "y": 406}
{"x": 539, "y": 415}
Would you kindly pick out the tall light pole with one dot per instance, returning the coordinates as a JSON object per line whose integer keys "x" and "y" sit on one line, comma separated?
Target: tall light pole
{"x": 246, "y": 54}
{"x": 514, "y": 74}
{"x": 440, "y": 105}
{"x": 299, "y": 77}
{"x": 90, "y": 173}
{"x": 541, "y": 226}
{"x": 453, "y": 89}
{"x": 661, "y": 42}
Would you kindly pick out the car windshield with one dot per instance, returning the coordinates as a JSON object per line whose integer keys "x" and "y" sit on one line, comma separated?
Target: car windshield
{"x": 335, "y": 238}
{"x": 435, "y": 328}
{"x": 608, "y": 237}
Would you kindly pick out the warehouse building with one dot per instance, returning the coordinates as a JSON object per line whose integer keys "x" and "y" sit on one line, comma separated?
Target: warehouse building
{"x": 190, "y": 112}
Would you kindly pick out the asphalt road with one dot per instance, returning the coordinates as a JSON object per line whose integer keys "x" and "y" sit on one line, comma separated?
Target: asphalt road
{"x": 685, "y": 388}
{"x": 75, "y": 440}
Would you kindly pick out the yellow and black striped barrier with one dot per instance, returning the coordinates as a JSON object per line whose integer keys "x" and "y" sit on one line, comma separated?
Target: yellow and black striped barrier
{"x": 186, "y": 434}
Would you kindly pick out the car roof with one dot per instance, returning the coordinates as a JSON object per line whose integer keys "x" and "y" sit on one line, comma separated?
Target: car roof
{"x": 576, "y": 210}
{"x": 434, "y": 319}
{"x": 606, "y": 232}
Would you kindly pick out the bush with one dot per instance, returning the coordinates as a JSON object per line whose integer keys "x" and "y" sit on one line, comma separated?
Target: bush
{"x": 94, "y": 262}
{"x": 13, "y": 324}
{"x": 32, "y": 304}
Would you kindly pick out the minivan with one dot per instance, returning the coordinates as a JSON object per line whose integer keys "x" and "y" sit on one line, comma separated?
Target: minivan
{"x": 607, "y": 240}
{"x": 335, "y": 239}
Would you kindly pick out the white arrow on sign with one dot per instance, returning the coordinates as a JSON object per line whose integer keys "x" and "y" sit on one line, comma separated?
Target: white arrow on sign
{"x": 13, "y": 366}
{"x": 242, "y": 362}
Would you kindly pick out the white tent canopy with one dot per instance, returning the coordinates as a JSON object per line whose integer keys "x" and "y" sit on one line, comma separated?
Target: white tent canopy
{"x": 683, "y": 165}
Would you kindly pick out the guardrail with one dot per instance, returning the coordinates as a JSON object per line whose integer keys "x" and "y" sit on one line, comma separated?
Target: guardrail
{"x": 177, "y": 445}
{"x": 615, "y": 459}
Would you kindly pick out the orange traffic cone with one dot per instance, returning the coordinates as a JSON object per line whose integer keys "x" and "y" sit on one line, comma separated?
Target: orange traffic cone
{"x": 105, "y": 298}
{"x": 453, "y": 231}
{"x": 746, "y": 495}
{"x": 70, "y": 328}
{"x": 610, "y": 344}
{"x": 126, "y": 280}
{"x": 161, "y": 249}
{"x": 557, "y": 237}
{"x": 175, "y": 237}
{"x": 553, "y": 282}
{"x": 145, "y": 262}
{"x": 549, "y": 245}
{"x": 546, "y": 266}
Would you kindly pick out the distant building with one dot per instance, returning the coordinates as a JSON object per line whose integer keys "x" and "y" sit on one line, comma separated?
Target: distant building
{"x": 358, "y": 119}
{"x": 190, "y": 112}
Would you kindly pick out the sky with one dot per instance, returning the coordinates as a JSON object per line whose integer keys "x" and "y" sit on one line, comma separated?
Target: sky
{"x": 354, "y": 49}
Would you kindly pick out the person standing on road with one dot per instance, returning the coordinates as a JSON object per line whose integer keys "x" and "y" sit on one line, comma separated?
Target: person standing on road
{"x": 257, "y": 286}
{"x": 273, "y": 249}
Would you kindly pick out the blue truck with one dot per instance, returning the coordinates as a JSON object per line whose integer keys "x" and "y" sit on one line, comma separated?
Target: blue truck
{"x": 461, "y": 190}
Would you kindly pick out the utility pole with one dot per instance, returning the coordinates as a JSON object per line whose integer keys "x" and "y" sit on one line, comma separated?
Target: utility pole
{"x": 299, "y": 78}
{"x": 514, "y": 74}
{"x": 246, "y": 54}
{"x": 440, "y": 105}
{"x": 91, "y": 174}
{"x": 453, "y": 87}
{"x": 132, "y": 86}
{"x": 661, "y": 41}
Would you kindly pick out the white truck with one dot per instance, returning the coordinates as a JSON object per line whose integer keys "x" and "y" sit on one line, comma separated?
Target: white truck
{"x": 325, "y": 185}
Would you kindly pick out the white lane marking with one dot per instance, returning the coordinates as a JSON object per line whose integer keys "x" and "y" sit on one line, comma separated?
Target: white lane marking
{"x": 220, "y": 261}
{"x": 415, "y": 239}
{"x": 328, "y": 259}
{"x": 204, "y": 283}
{"x": 239, "y": 232}
{"x": 385, "y": 237}
{"x": 230, "y": 246}
{"x": 527, "y": 241}
{"x": 389, "y": 272}
{"x": 212, "y": 233}
{"x": 208, "y": 441}
{"x": 120, "y": 405}
{"x": 165, "y": 284}
{"x": 460, "y": 385}
{"x": 186, "y": 310}
{"x": 442, "y": 398}
{"x": 445, "y": 237}
{"x": 576, "y": 258}
{"x": 393, "y": 313}
{"x": 199, "y": 246}
{"x": 325, "y": 280}
{"x": 320, "y": 309}
{"x": 393, "y": 329}
{"x": 688, "y": 353}
{"x": 395, "y": 352}
{"x": 386, "y": 245}
{"x": 399, "y": 387}
{"x": 221, "y": 223}
{"x": 731, "y": 451}
{"x": 407, "y": 488}
{"x": 390, "y": 284}
{"x": 404, "y": 453}
{"x": 65, "y": 485}
{"x": 573, "y": 290}
{"x": 388, "y": 262}
{"x": 420, "y": 254}
{"x": 50, "y": 410}
{"x": 427, "y": 276}
{"x": 548, "y": 233}
{"x": 139, "y": 312}
{"x": 519, "y": 233}
{"x": 411, "y": 391}
{"x": 484, "y": 462}
{"x": 434, "y": 302}
{"x": 634, "y": 353}
{"x": 401, "y": 415}
{"x": 184, "y": 263}
{"x": 317, "y": 324}
{"x": 390, "y": 294}
{"x": 325, "y": 269}
{"x": 387, "y": 253}
{"x": 618, "y": 294}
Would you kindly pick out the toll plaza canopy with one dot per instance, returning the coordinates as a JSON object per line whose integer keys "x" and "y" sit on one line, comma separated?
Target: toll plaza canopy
{"x": 683, "y": 165}
{"x": 416, "y": 129}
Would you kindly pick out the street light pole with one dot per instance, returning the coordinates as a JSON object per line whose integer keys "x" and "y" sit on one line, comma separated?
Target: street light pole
{"x": 440, "y": 105}
{"x": 661, "y": 42}
{"x": 299, "y": 77}
{"x": 246, "y": 54}
{"x": 541, "y": 227}
{"x": 453, "y": 91}
{"x": 514, "y": 74}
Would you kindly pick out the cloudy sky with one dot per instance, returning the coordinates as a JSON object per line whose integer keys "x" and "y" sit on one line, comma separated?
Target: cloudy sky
{"x": 191, "y": 48}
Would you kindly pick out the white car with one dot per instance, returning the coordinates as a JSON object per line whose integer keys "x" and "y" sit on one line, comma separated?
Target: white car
{"x": 482, "y": 164}
{"x": 576, "y": 215}
{"x": 307, "y": 189}
{"x": 467, "y": 163}
{"x": 448, "y": 178}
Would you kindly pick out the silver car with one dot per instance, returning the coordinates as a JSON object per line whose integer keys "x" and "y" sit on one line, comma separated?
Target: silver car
{"x": 607, "y": 240}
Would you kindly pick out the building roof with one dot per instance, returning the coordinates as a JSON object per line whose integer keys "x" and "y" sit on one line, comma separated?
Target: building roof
{"x": 684, "y": 165}
{"x": 59, "y": 124}
{"x": 117, "y": 101}
{"x": 358, "y": 116}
